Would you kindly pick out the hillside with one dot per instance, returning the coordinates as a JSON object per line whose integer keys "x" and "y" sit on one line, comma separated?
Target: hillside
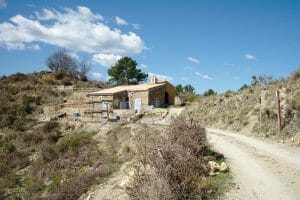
{"x": 240, "y": 111}
{"x": 45, "y": 156}
{"x": 36, "y": 157}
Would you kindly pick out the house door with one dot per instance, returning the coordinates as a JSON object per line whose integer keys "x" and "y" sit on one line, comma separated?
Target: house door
{"x": 137, "y": 104}
{"x": 166, "y": 98}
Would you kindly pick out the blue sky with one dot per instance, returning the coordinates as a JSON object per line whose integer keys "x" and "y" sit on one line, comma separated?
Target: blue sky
{"x": 206, "y": 43}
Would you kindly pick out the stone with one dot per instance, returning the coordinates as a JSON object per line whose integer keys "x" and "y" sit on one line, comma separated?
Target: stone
{"x": 224, "y": 167}
{"x": 213, "y": 166}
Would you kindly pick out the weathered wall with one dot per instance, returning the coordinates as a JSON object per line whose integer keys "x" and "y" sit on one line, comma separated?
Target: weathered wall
{"x": 143, "y": 95}
{"x": 101, "y": 98}
{"x": 119, "y": 97}
{"x": 157, "y": 94}
{"x": 171, "y": 91}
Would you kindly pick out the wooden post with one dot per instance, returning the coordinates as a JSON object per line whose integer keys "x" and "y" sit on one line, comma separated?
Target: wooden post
{"x": 278, "y": 110}
{"x": 260, "y": 114}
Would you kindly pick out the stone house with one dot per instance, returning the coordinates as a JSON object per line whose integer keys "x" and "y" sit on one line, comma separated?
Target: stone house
{"x": 136, "y": 97}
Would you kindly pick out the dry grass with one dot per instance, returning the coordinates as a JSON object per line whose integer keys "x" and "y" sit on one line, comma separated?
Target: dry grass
{"x": 172, "y": 167}
{"x": 239, "y": 111}
{"x": 37, "y": 159}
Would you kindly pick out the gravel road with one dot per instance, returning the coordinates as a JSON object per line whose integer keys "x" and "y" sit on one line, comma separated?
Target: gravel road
{"x": 261, "y": 170}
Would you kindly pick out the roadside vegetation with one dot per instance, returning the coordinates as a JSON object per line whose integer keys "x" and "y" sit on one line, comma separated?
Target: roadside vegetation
{"x": 174, "y": 165}
{"x": 240, "y": 111}
{"x": 186, "y": 93}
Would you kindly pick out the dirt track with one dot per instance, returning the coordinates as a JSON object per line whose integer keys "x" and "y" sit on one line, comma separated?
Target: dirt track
{"x": 261, "y": 170}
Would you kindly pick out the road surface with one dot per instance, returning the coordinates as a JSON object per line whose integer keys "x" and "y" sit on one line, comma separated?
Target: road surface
{"x": 261, "y": 170}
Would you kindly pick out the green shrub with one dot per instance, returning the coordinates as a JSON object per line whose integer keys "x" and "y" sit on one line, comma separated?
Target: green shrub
{"x": 228, "y": 93}
{"x": 59, "y": 75}
{"x": 7, "y": 120}
{"x": 209, "y": 92}
{"x": 50, "y": 126}
{"x": 73, "y": 141}
{"x": 66, "y": 81}
{"x": 296, "y": 74}
{"x": 31, "y": 138}
{"x": 243, "y": 87}
{"x": 191, "y": 97}
{"x": 19, "y": 124}
{"x": 48, "y": 152}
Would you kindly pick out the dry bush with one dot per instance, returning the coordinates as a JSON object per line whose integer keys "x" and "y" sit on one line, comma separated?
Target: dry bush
{"x": 296, "y": 74}
{"x": 75, "y": 187}
{"x": 174, "y": 167}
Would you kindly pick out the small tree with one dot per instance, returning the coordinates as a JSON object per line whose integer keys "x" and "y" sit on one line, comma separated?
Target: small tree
{"x": 64, "y": 62}
{"x": 243, "y": 87}
{"x": 184, "y": 89}
{"x": 209, "y": 92}
{"x": 254, "y": 81}
{"x": 125, "y": 72}
{"x": 178, "y": 89}
{"x": 84, "y": 69}
{"x": 189, "y": 89}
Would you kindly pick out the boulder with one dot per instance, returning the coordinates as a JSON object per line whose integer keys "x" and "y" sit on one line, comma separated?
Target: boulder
{"x": 213, "y": 166}
{"x": 224, "y": 167}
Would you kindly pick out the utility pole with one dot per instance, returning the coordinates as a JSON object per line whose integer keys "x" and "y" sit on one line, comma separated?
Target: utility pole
{"x": 278, "y": 110}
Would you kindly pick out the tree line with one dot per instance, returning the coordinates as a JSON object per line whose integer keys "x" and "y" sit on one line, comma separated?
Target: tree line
{"x": 62, "y": 61}
{"x": 124, "y": 72}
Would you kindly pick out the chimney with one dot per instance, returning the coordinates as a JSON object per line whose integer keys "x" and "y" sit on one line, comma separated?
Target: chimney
{"x": 153, "y": 80}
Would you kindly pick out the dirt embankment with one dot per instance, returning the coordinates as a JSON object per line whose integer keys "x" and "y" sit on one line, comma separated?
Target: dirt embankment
{"x": 242, "y": 111}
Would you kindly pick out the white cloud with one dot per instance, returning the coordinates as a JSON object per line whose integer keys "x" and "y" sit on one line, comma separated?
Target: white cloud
{"x": 106, "y": 60}
{"x": 81, "y": 14}
{"x": 121, "y": 21}
{"x": 15, "y": 46}
{"x": 250, "y": 57}
{"x": 160, "y": 77}
{"x": 194, "y": 60}
{"x": 203, "y": 76}
{"x": 73, "y": 54}
{"x": 143, "y": 66}
{"x": 2, "y": 4}
{"x": 136, "y": 26}
{"x": 34, "y": 47}
{"x": 95, "y": 75}
{"x": 76, "y": 30}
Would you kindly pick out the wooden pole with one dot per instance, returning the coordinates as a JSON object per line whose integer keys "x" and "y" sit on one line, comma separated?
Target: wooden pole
{"x": 278, "y": 110}
{"x": 260, "y": 114}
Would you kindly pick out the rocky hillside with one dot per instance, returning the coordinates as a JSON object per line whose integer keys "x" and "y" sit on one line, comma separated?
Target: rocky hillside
{"x": 37, "y": 158}
{"x": 46, "y": 157}
{"x": 240, "y": 111}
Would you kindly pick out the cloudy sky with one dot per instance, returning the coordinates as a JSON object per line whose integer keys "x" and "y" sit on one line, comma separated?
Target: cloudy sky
{"x": 206, "y": 43}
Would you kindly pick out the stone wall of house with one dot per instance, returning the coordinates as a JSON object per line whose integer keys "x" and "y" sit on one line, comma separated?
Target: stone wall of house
{"x": 171, "y": 91}
{"x": 157, "y": 95}
{"x": 119, "y": 97}
{"x": 108, "y": 98}
{"x": 143, "y": 95}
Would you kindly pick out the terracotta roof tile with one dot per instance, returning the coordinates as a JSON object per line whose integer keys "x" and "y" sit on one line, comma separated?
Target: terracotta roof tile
{"x": 130, "y": 88}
